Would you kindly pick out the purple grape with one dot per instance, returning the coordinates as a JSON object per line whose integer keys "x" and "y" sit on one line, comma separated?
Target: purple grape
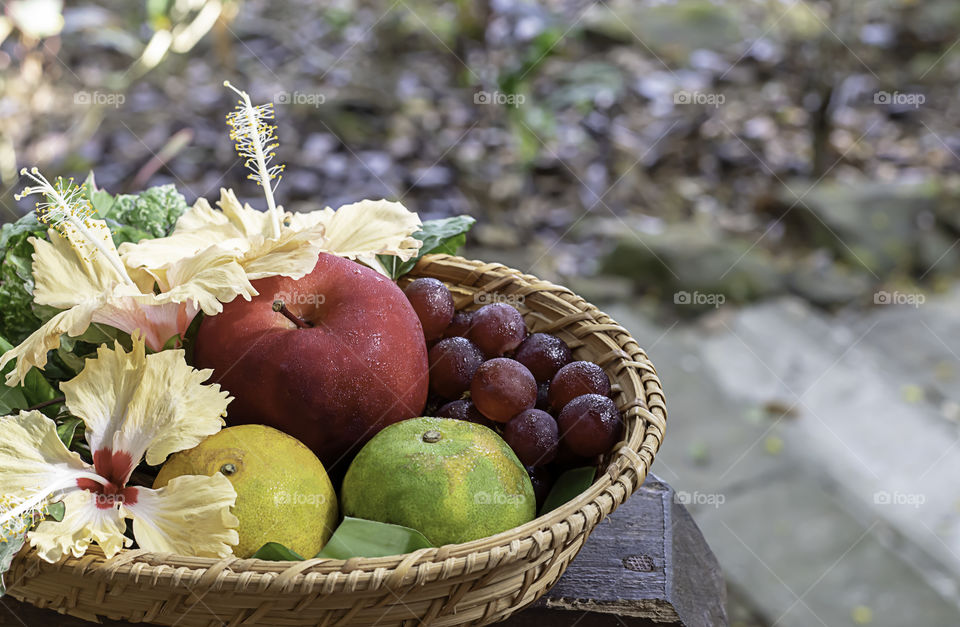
{"x": 464, "y": 410}
{"x": 590, "y": 425}
{"x": 433, "y": 303}
{"x": 576, "y": 379}
{"x": 543, "y": 395}
{"x": 502, "y": 388}
{"x": 533, "y": 436}
{"x": 542, "y": 479}
{"x": 496, "y": 329}
{"x": 543, "y": 355}
{"x": 460, "y": 325}
{"x": 453, "y": 362}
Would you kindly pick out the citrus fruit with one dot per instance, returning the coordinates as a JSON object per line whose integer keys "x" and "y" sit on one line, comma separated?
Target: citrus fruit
{"x": 451, "y": 480}
{"x": 283, "y": 492}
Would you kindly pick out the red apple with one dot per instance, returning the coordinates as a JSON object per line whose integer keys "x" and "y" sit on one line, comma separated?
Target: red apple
{"x": 349, "y": 360}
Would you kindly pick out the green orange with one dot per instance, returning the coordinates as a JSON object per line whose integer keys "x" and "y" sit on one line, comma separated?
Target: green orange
{"x": 283, "y": 492}
{"x": 451, "y": 480}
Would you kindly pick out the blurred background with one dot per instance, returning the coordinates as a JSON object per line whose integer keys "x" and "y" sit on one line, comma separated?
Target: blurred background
{"x": 765, "y": 192}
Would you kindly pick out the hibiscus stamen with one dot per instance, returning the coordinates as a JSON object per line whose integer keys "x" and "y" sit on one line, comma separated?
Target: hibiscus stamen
{"x": 42, "y": 497}
{"x": 66, "y": 208}
{"x": 17, "y": 525}
{"x": 256, "y": 142}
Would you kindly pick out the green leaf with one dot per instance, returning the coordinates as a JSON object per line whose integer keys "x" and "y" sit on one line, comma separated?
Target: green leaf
{"x": 151, "y": 213}
{"x": 436, "y": 234}
{"x": 56, "y": 510}
{"x": 35, "y": 389}
{"x": 125, "y": 233}
{"x": 356, "y": 537}
{"x": 277, "y": 552}
{"x": 17, "y": 316}
{"x": 70, "y": 360}
{"x": 173, "y": 342}
{"x": 97, "y": 333}
{"x": 11, "y": 400}
{"x": 67, "y": 429}
{"x": 101, "y": 200}
{"x": 444, "y": 236}
{"x": 569, "y": 486}
{"x": 9, "y": 547}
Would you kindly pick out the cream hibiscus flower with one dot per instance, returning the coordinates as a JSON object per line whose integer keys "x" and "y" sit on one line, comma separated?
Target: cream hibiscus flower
{"x": 134, "y": 406}
{"x": 360, "y": 231}
{"x": 81, "y": 273}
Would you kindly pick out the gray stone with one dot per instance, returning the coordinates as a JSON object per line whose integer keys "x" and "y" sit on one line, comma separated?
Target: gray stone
{"x": 601, "y": 290}
{"x": 874, "y": 226}
{"x": 713, "y": 442}
{"x": 686, "y": 258}
{"x": 890, "y": 456}
{"x": 809, "y": 459}
{"x": 433, "y": 176}
{"x": 822, "y": 281}
{"x": 805, "y": 561}
{"x": 678, "y": 28}
{"x": 938, "y": 253}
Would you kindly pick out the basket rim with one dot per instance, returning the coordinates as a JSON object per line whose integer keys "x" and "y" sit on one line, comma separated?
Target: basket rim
{"x": 629, "y": 461}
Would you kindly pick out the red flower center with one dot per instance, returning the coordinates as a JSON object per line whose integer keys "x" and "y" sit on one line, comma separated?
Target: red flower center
{"x": 115, "y": 467}
{"x": 110, "y": 495}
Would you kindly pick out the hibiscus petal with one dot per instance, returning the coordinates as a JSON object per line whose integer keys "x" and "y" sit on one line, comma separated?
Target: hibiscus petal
{"x": 84, "y": 522}
{"x": 157, "y": 321}
{"x": 372, "y": 227}
{"x": 100, "y": 394}
{"x": 200, "y": 217}
{"x": 361, "y": 230}
{"x": 189, "y": 516}
{"x": 176, "y": 405}
{"x": 300, "y": 221}
{"x": 33, "y": 459}
{"x": 64, "y": 278}
{"x": 197, "y": 229}
{"x": 33, "y": 350}
{"x": 206, "y": 280}
{"x": 245, "y": 218}
{"x": 136, "y": 405}
{"x": 293, "y": 254}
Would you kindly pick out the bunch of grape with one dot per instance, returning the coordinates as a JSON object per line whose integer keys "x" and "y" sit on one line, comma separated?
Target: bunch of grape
{"x": 554, "y": 412}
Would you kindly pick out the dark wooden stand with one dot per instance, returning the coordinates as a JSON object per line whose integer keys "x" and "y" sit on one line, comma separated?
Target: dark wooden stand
{"x": 646, "y": 565}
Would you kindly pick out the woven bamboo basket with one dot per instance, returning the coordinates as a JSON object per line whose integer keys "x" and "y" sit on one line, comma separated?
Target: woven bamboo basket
{"x": 475, "y": 583}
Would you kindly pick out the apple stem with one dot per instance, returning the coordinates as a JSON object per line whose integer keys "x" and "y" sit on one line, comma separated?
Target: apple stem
{"x": 281, "y": 307}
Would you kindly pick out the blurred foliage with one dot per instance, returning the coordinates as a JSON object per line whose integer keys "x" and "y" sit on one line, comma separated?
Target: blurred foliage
{"x": 583, "y": 151}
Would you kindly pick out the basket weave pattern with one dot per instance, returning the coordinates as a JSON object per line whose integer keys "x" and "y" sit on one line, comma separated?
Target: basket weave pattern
{"x": 475, "y": 583}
